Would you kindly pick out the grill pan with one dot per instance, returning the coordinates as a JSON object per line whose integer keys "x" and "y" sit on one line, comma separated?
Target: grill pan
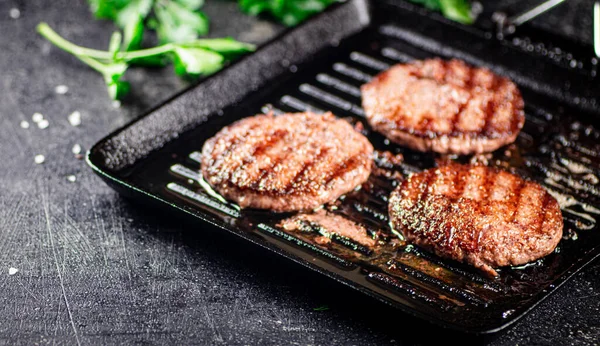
{"x": 319, "y": 66}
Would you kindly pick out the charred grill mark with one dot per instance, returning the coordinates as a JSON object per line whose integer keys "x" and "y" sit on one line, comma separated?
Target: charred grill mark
{"x": 475, "y": 241}
{"x": 306, "y": 168}
{"x": 260, "y": 149}
{"x": 270, "y": 171}
{"x": 444, "y": 67}
{"x": 446, "y": 237}
{"x": 429, "y": 177}
{"x": 542, "y": 211}
{"x": 515, "y": 199}
{"x": 237, "y": 142}
{"x": 469, "y": 87}
{"x": 459, "y": 183}
{"x": 266, "y": 172}
{"x": 348, "y": 165}
{"x": 274, "y": 139}
{"x": 490, "y": 108}
{"x": 489, "y": 128}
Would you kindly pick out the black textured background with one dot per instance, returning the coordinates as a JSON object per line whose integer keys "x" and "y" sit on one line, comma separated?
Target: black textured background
{"x": 97, "y": 269}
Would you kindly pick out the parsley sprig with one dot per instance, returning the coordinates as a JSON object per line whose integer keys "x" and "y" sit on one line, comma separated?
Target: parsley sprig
{"x": 292, "y": 12}
{"x": 199, "y": 57}
{"x": 173, "y": 20}
{"x": 289, "y": 12}
{"x": 457, "y": 10}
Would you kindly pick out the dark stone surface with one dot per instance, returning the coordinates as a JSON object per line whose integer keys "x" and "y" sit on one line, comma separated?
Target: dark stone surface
{"x": 97, "y": 269}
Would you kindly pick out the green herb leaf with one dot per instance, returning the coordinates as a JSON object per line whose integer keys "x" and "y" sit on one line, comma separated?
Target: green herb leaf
{"x": 112, "y": 74}
{"x": 177, "y": 23}
{"x": 107, "y": 9}
{"x": 195, "y": 62}
{"x": 256, "y": 7}
{"x": 227, "y": 47}
{"x": 134, "y": 10}
{"x": 174, "y": 20}
{"x": 289, "y": 12}
{"x": 457, "y": 10}
{"x": 133, "y": 33}
{"x": 192, "y": 5}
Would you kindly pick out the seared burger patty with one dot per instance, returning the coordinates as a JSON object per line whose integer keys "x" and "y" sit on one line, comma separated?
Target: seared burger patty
{"x": 479, "y": 215}
{"x": 444, "y": 106}
{"x": 288, "y": 162}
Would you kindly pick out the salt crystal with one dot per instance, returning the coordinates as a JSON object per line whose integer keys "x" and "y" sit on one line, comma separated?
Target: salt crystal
{"x": 72, "y": 178}
{"x": 116, "y": 104}
{"x": 39, "y": 159}
{"x": 75, "y": 118}
{"x": 37, "y": 117}
{"x": 76, "y": 149}
{"x": 43, "y": 124}
{"x": 24, "y": 124}
{"x": 14, "y": 13}
{"x": 61, "y": 89}
{"x": 12, "y": 271}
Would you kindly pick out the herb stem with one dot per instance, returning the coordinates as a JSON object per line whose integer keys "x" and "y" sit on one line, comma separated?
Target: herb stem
{"x": 143, "y": 53}
{"x": 95, "y": 64}
{"x": 46, "y": 31}
{"x": 51, "y": 35}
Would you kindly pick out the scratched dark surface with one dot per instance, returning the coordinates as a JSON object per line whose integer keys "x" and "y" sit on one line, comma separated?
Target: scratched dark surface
{"x": 94, "y": 268}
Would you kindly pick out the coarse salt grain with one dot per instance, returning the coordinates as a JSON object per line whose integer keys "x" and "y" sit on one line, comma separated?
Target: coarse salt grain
{"x": 39, "y": 159}
{"x": 37, "y": 117}
{"x": 12, "y": 271}
{"x": 14, "y": 13}
{"x": 24, "y": 124}
{"x": 43, "y": 124}
{"x": 61, "y": 89}
{"x": 116, "y": 104}
{"x": 76, "y": 149}
{"x": 75, "y": 118}
{"x": 72, "y": 178}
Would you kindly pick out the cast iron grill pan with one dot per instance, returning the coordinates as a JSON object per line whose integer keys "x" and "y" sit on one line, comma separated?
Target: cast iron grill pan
{"x": 157, "y": 158}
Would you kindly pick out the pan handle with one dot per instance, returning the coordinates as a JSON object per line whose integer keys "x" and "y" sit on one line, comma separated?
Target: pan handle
{"x": 528, "y": 15}
{"x": 506, "y": 25}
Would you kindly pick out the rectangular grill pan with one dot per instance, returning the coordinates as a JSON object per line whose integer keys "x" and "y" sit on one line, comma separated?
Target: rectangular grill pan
{"x": 320, "y": 65}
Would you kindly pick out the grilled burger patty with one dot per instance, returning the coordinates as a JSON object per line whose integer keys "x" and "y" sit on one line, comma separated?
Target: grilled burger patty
{"x": 444, "y": 106}
{"x": 288, "y": 162}
{"x": 479, "y": 215}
